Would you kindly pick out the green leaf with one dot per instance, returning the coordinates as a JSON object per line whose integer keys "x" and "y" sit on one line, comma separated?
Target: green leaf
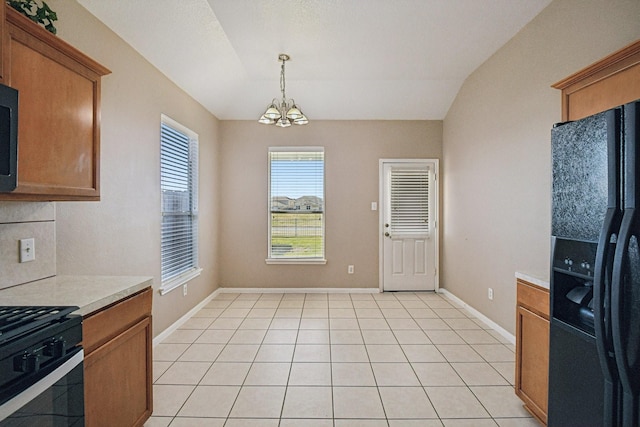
{"x": 51, "y": 28}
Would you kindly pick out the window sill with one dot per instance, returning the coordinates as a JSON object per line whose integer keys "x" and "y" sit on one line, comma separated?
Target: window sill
{"x": 296, "y": 261}
{"x": 180, "y": 280}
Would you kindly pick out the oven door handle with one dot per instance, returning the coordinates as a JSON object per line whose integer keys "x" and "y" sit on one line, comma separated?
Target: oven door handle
{"x": 26, "y": 396}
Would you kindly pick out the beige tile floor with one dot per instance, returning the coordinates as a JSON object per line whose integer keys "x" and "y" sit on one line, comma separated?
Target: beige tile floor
{"x": 335, "y": 360}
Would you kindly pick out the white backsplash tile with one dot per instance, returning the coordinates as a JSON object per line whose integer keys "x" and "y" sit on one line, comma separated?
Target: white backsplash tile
{"x": 23, "y": 221}
{"x": 27, "y": 211}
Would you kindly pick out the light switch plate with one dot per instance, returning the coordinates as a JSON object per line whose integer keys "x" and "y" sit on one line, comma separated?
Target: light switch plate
{"x": 27, "y": 250}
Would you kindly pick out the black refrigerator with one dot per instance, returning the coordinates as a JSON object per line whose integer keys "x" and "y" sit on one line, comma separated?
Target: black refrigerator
{"x": 594, "y": 355}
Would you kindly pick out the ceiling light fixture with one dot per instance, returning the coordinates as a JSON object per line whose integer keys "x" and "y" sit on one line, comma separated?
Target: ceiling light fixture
{"x": 287, "y": 111}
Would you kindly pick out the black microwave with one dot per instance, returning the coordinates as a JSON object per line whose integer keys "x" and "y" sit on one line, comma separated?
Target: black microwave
{"x": 8, "y": 138}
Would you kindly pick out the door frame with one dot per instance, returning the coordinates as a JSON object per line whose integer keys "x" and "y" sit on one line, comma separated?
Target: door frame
{"x": 382, "y": 207}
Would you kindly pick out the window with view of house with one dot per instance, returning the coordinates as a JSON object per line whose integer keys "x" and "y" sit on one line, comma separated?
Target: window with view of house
{"x": 179, "y": 193}
{"x": 296, "y": 204}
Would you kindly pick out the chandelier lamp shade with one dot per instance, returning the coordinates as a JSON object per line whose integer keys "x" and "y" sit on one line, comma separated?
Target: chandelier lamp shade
{"x": 284, "y": 112}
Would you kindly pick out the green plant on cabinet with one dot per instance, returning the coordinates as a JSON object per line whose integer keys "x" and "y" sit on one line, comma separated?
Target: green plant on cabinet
{"x": 41, "y": 14}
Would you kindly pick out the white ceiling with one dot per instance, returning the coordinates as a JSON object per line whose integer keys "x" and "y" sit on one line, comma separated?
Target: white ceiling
{"x": 350, "y": 59}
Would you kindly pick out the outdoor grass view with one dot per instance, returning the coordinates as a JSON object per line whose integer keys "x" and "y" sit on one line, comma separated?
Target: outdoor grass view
{"x": 296, "y": 235}
{"x": 297, "y": 204}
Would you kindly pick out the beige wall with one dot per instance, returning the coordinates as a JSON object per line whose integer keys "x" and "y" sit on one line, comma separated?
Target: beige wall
{"x": 120, "y": 235}
{"x": 497, "y": 149}
{"x": 352, "y": 151}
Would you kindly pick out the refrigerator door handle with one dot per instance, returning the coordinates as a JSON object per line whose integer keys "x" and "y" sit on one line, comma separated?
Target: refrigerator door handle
{"x": 601, "y": 292}
{"x": 620, "y": 328}
{"x": 602, "y": 326}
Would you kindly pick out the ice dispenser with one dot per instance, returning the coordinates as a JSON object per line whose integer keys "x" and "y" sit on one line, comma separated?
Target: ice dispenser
{"x": 573, "y": 264}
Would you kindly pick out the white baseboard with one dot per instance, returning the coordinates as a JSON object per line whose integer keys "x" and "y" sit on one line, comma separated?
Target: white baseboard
{"x": 508, "y": 336}
{"x": 181, "y": 321}
{"x": 299, "y": 290}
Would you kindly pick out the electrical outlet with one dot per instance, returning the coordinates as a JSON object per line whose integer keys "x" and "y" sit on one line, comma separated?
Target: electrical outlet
{"x": 350, "y": 269}
{"x": 184, "y": 290}
{"x": 490, "y": 294}
{"x": 27, "y": 250}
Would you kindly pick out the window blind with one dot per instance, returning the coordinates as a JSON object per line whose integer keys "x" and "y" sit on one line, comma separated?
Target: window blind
{"x": 296, "y": 198}
{"x": 409, "y": 200}
{"x": 179, "y": 187}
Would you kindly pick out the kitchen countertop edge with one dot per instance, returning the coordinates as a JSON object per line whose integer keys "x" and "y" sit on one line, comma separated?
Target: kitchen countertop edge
{"x": 90, "y": 293}
{"x": 536, "y": 279}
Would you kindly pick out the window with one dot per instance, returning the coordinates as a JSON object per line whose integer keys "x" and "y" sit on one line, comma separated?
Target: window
{"x": 179, "y": 189}
{"x": 296, "y": 205}
{"x": 409, "y": 200}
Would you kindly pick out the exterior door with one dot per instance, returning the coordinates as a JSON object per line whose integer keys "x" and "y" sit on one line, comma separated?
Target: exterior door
{"x": 409, "y": 238}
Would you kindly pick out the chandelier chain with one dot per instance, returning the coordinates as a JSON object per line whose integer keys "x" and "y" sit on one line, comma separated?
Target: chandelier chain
{"x": 282, "y": 81}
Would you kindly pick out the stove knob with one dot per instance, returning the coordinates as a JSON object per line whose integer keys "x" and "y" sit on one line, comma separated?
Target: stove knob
{"x": 55, "y": 348}
{"x": 26, "y": 363}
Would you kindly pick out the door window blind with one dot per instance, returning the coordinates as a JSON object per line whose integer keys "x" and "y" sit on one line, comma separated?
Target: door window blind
{"x": 296, "y": 200}
{"x": 179, "y": 188}
{"x": 410, "y": 200}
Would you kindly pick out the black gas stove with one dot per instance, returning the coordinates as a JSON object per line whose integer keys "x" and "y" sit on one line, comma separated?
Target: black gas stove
{"x": 35, "y": 342}
{"x": 20, "y": 320}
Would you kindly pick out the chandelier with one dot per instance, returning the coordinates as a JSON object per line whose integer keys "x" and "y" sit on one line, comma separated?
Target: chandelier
{"x": 286, "y": 112}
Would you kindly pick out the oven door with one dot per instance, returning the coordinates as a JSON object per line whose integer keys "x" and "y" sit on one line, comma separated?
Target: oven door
{"x": 57, "y": 400}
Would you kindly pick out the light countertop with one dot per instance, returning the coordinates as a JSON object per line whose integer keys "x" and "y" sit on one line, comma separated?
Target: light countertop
{"x": 90, "y": 293}
{"x": 540, "y": 279}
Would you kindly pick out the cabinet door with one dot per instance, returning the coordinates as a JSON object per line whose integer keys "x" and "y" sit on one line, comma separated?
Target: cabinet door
{"x": 532, "y": 375}
{"x": 115, "y": 374}
{"x": 59, "y": 113}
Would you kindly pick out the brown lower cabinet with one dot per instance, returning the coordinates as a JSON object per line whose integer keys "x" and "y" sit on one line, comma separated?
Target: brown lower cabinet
{"x": 532, "y": 348}
{"x": 118, "y": 363}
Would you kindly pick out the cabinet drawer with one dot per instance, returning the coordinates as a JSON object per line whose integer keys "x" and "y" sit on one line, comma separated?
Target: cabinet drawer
{"x": 534, "y": 298}
{"x": 103, "y": 325}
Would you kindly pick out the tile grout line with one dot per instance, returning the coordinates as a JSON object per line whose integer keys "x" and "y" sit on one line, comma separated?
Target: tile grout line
{"x": 286, "y": 388}
{"x": 226, "y": 418}
{"x": 194, "y": 387}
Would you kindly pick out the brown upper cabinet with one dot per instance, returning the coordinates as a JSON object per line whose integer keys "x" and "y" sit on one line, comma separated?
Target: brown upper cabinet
{"x": 59, "y": 112}
{"x": 612, "y": 81}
